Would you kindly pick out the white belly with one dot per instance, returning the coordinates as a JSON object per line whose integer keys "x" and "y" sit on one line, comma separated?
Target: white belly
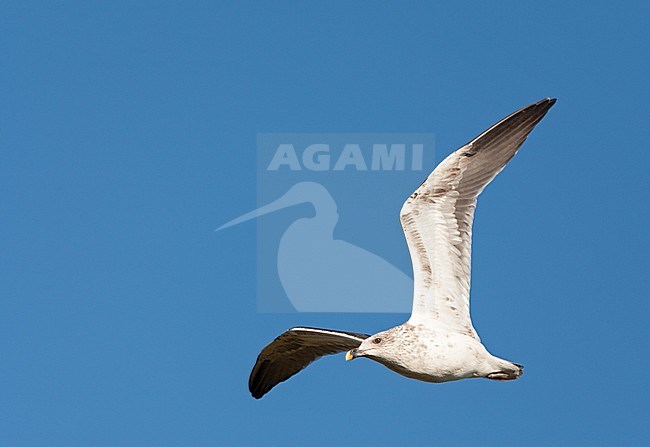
{"x": 443, "y": 357}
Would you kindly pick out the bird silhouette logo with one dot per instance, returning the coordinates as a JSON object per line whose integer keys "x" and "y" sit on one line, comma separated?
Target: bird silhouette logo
{"x": 320, "y": 273}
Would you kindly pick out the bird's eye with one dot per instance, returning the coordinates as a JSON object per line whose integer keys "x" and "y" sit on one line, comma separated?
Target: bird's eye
{"x": 377, "y": 340}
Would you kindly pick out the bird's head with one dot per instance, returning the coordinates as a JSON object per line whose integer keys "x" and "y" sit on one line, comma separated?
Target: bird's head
{"x": 377, "y": 347}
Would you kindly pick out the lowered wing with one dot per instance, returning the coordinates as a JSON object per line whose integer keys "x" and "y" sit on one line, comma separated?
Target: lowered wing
{"x": 293, "y": 351}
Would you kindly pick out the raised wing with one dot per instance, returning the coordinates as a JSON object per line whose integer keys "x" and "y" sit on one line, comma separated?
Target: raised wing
{"x": 437, "y": 219}
{"x": 293, "y": 351}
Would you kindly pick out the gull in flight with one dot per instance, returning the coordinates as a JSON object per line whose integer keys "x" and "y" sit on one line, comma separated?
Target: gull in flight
{"x": 438, "y": 342}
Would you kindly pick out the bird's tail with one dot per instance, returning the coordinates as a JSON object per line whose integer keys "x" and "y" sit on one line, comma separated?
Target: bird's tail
{"x": 508, "y": 371}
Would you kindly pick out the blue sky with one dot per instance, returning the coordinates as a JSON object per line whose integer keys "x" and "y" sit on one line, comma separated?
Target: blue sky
{"x": 128, "y": 133}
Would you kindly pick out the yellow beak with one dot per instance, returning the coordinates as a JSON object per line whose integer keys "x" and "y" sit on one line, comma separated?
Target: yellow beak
{"x": 348, "y": 356}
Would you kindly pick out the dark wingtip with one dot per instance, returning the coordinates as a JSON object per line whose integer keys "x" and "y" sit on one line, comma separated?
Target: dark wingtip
{"x": 255, "y": 385}
{"x": 543, "y": 104}
{"x": 548, "y": 102}
{"x": 257, "y": 390}
{"x": 539, "y": 108}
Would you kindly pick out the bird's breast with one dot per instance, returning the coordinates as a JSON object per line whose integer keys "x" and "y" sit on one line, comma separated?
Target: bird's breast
{"x": 438, "y": 357}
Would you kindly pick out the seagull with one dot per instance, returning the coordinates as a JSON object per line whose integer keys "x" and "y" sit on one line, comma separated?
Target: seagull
{"x": 438, "y": 343}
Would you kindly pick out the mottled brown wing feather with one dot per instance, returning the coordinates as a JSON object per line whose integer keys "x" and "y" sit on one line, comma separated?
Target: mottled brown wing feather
{"x": 437, "y": 219}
